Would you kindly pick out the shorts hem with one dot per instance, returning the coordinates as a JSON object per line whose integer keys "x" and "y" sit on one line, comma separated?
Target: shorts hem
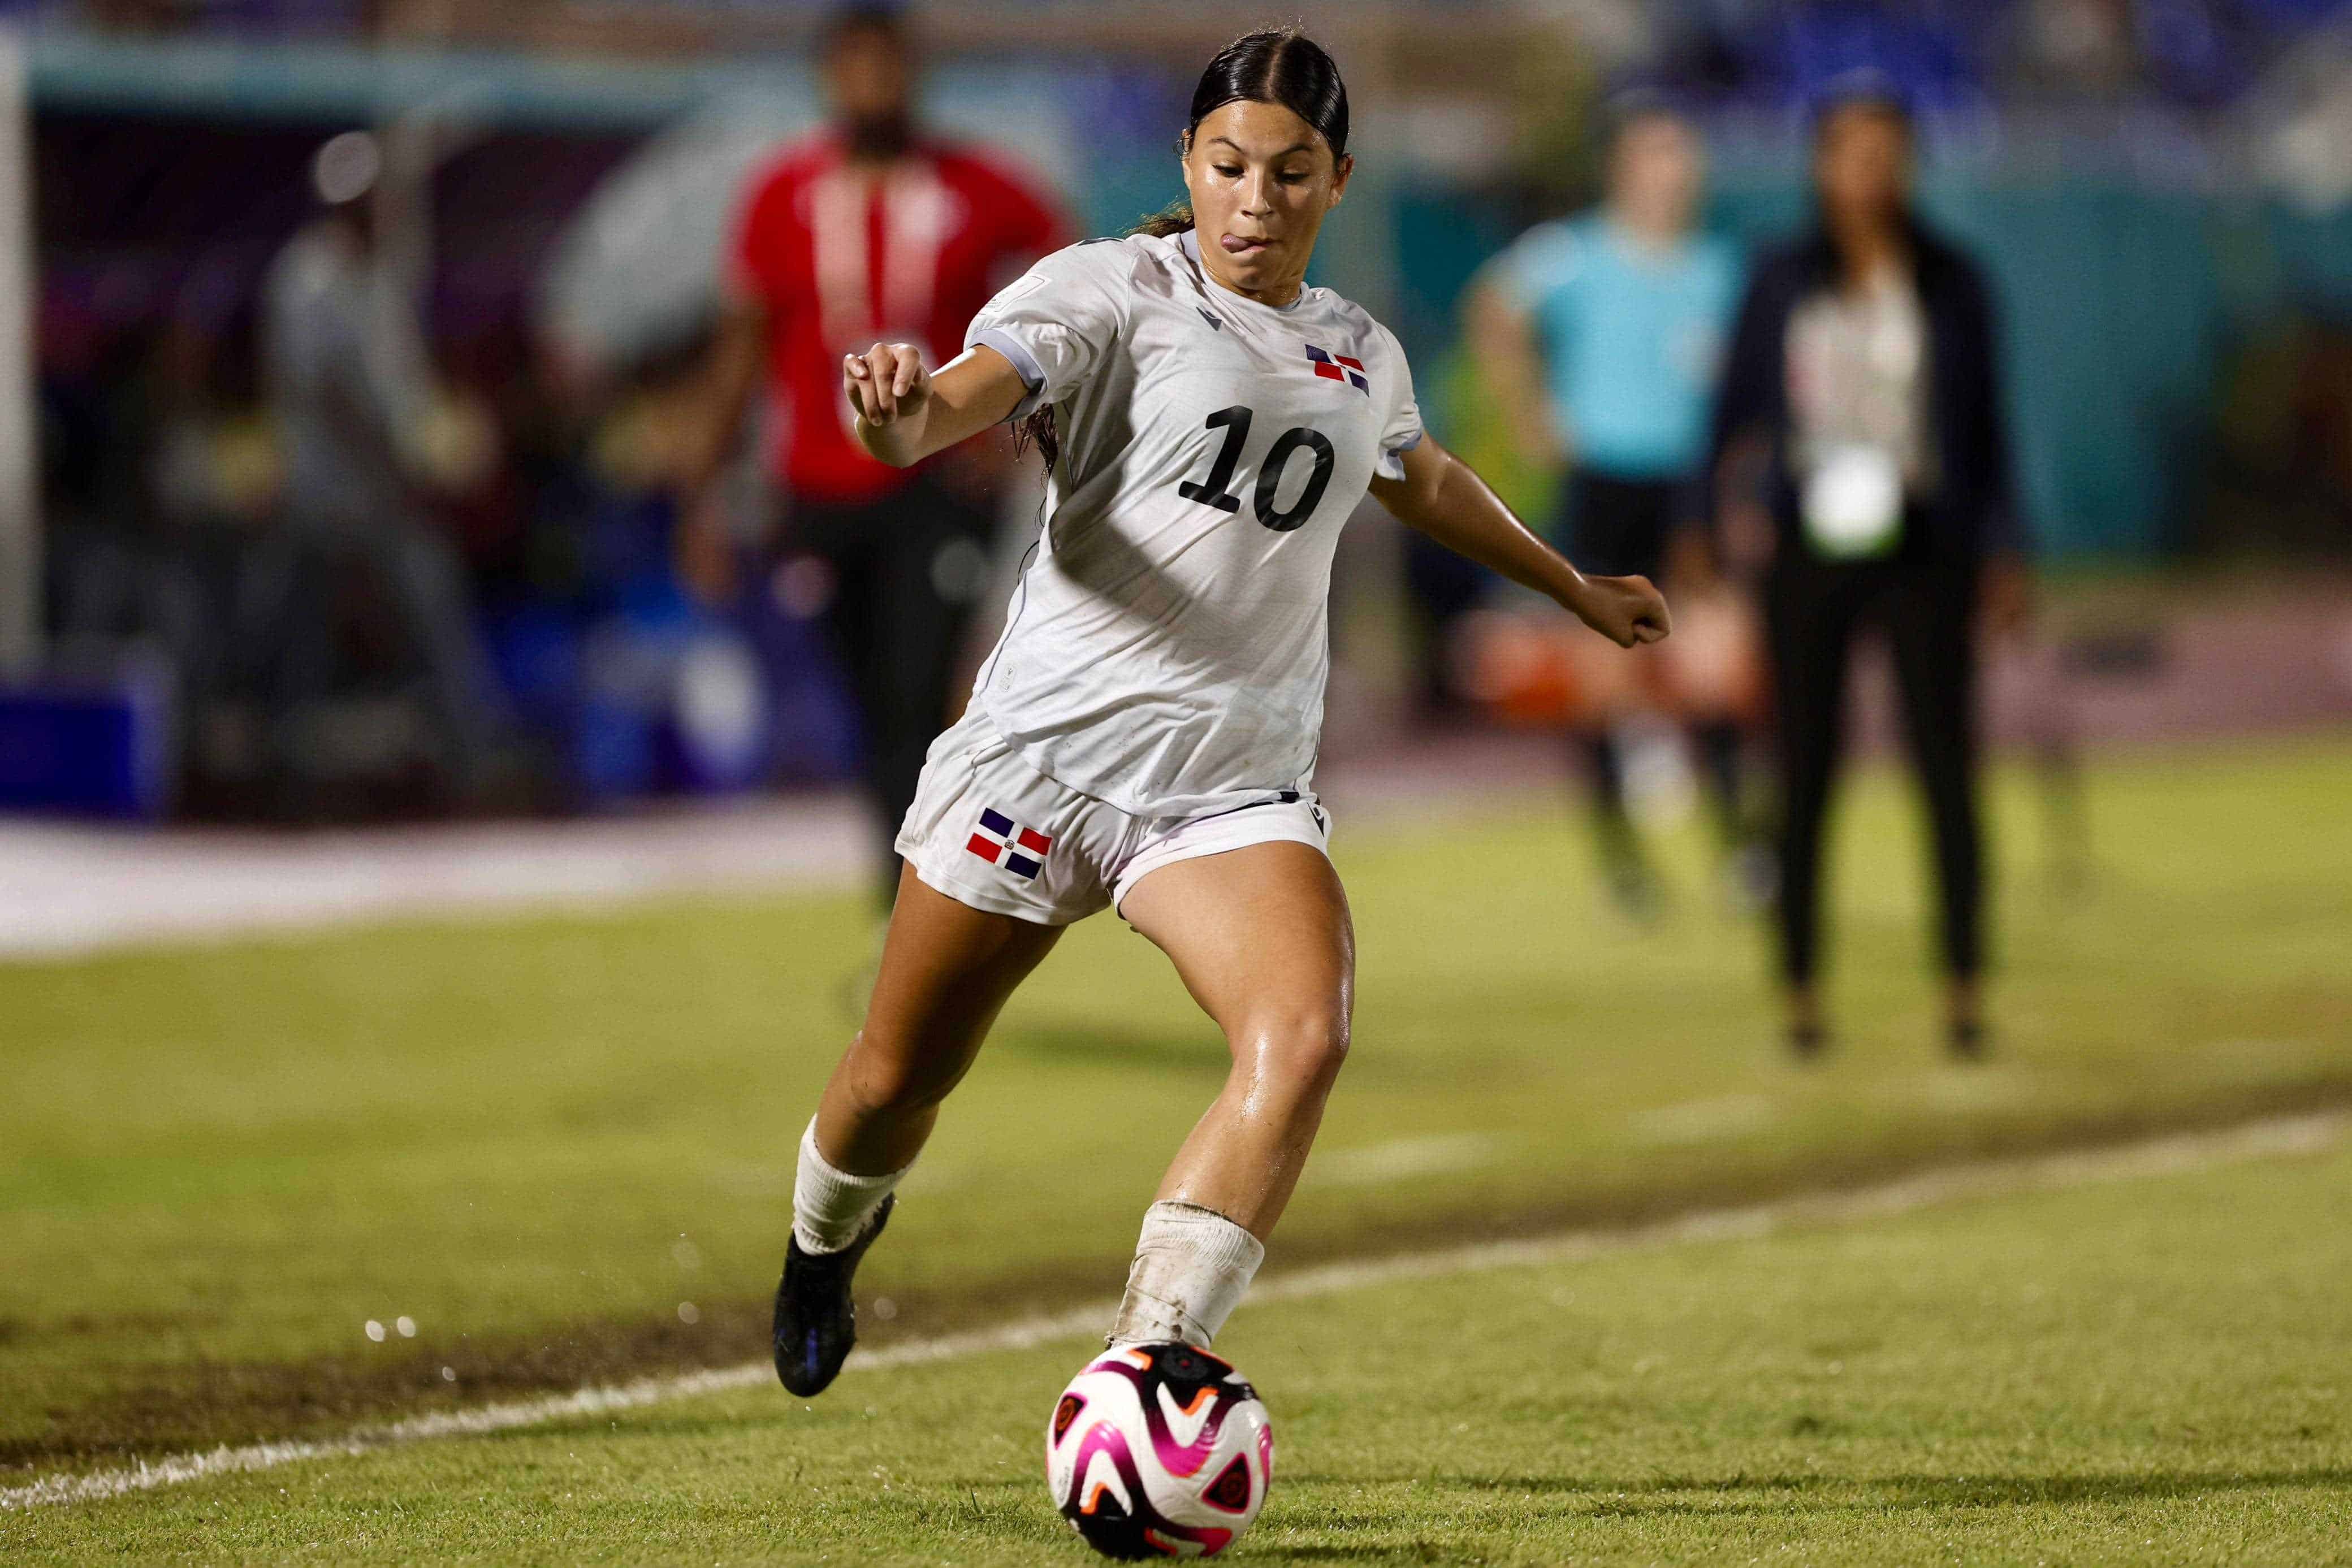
{"x": 988, "y": 901}
{"x": 1282, "y": 833}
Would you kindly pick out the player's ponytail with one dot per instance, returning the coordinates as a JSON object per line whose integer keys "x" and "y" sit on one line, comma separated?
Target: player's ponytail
{"x": 1276, "y": 65}
{"x": 1168, "y": 222}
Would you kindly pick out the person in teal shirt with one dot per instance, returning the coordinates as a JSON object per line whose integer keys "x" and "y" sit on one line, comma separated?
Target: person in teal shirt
{"x": 1601, "y": 336}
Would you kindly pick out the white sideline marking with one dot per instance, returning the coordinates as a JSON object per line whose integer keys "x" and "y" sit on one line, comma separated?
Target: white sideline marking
{"x": 66, "y": 891}
{"x": 2174, "y": 1155}
{"x": 1405, "y": 1157}
{"x": 1704, "y": 1121}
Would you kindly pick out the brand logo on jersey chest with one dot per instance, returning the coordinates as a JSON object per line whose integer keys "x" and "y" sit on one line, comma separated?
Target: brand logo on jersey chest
{"x": 1340, "y": 368}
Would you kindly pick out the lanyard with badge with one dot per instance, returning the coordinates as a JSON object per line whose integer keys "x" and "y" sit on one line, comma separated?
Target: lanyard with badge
{"x": 1851, "y": 496}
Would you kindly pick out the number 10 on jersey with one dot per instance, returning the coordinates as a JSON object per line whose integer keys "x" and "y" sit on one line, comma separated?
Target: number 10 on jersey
{"x": 1215, "y": 490}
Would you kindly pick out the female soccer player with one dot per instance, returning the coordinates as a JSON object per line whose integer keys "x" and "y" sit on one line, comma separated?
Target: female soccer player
{"x": 1144, "y": 736}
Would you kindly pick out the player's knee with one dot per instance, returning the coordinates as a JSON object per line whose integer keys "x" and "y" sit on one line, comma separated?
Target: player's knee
{"x": 894, "y": 1080}
{"x": 1302, "y": 1046}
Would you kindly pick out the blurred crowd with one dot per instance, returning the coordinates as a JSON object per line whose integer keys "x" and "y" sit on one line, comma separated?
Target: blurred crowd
{"x": 376, "y": 559}
{"x": 417, "y": 510}
{"x": 1962, "y": 54}
{"x": 1952, "y": 53}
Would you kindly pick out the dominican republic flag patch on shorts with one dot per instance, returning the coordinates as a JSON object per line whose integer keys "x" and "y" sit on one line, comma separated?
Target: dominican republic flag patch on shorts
{"x": 1341, "y": 368}
{"x": 1001, "y": 840}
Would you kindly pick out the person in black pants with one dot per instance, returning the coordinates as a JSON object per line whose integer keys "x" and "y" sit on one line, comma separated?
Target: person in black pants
{"x": 1859, "y": 447}
{"x": 868, "y": 230}
{"x": 1639, "y": 528}
{"x": 906, "y": 572}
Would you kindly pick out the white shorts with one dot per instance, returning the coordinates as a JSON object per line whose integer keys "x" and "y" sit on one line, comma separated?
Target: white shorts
{"x": 989, "y": 831}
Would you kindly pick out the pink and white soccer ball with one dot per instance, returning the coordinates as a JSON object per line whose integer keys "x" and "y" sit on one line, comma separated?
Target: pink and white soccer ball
{"x": 1159, "y": 1450}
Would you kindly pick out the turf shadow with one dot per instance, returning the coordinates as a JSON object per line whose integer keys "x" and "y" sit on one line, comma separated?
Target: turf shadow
{"x": 1201, "y": 1054}
{"x": 1682, "y": 1495}
{"x": 1997, "y": 1491}
{"x": 203, "y": 1403}
{"x": 1309, "y": 1552}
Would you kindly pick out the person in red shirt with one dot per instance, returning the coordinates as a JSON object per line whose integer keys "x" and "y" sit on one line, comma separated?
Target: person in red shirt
{"x": 869, "y": 231}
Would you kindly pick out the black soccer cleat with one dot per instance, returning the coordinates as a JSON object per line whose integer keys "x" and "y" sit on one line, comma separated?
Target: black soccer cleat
{"x": 816, "y": 1323}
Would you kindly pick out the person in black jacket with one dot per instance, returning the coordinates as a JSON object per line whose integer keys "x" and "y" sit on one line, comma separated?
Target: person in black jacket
{"x": 1859, "y": 450}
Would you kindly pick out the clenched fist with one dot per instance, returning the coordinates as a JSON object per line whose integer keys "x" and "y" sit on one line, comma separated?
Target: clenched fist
{"x": 885, "y": 383}
{"x": 1628, "y": 611}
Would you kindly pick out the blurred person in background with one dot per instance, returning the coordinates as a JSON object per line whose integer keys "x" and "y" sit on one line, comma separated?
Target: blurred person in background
{"x": 1601, "y": 336}
{"x": 368, "y": 444}
{"x": 1863, "y": 399}
{"x": 868, "y": 230}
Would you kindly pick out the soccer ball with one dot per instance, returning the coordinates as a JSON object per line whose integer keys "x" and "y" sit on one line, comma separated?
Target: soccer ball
{"x": 1159, "y": 1450}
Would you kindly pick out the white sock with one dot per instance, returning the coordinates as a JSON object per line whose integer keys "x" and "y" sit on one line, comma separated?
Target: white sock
{"x": 1191, "y": 1266}
{"x": 830, "y": 1207}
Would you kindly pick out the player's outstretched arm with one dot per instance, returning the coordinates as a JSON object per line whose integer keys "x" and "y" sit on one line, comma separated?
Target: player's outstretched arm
{"x": 906, "y": 412}
{"x": 1443, "y": 497}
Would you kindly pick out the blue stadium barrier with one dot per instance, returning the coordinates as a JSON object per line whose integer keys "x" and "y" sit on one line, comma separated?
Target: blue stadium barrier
{"x": 96, "y": 748}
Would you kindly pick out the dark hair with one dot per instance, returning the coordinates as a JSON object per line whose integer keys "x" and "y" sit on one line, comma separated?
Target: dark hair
{"x": 1275, "y": 65}
{"x": 883, "y": 20}
{"x": 1875, "y": 91}
{"x": 1278, "y": 65}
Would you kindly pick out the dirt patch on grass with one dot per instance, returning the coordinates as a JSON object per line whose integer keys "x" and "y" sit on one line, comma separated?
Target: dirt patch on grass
{"x": 202, "y": 1405}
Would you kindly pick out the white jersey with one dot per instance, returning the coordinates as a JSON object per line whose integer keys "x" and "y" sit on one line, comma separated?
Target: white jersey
{"x": 1167, "y": 649}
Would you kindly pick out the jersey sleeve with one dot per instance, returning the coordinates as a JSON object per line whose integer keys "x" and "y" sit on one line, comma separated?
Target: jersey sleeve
{"x": 1059, "y": 321}
{"x": 1402, "y": 432}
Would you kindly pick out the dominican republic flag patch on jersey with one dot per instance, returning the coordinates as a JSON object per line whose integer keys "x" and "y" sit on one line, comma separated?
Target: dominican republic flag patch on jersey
{"x": 1341, "y": 368}
{"x": 1001, "y": 840}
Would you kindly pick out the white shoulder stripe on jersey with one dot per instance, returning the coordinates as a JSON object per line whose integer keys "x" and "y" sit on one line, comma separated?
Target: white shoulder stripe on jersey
{"x": 1391, "y": 461}
{"x": 1024, "y": 362}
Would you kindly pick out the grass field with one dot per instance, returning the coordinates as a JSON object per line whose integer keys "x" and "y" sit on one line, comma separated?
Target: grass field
{"x": 2149, "y": 1371}
{"x": 548, "y": 1144}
